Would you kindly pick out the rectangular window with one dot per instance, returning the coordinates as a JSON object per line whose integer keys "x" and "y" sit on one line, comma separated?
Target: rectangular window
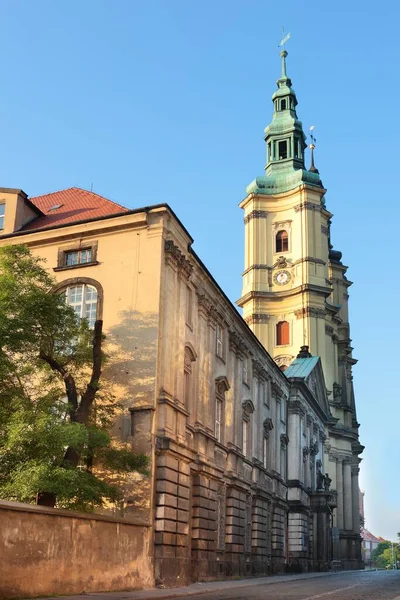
{"x": 218, "y": 420}
{"x": 263, "y": 393}
{"x": 2, "y": 213}
{"x": 265, "y": 452}
{"x": 78, "y": 257}
{"x": 283, "y": 411}
{"x": 219, "y": 341}
{"x": 245, "y": 368}
{"x": 283, "y": 463}
{"x": 186, "y": 388}
{"x": 246, "y": 440}
{"x": 189, "y": 306}
{"x": 282, "y": 150}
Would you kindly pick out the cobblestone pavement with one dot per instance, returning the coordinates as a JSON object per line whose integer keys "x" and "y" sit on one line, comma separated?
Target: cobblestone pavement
{"x": 351, "y": 585}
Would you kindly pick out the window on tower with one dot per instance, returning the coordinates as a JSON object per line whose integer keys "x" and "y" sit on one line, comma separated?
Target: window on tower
{"x": 283, "y": 104}
{"x": 282, "y": 333}
{"x": 282, "y": 150}
{"x": 282, "y": 241}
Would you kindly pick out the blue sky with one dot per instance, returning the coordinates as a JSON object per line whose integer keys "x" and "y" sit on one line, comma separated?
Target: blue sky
{"x": 166, "y": 101}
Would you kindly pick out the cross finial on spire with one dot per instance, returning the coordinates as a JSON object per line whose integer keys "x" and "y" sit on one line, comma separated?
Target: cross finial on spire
{"x": 283, "y": 52}
{"x": 312, "y": 168}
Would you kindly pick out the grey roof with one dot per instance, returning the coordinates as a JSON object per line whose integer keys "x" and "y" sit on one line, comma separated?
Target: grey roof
{"x": 301, "y": 367}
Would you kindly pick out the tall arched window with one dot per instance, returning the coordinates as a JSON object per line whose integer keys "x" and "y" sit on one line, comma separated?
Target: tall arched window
{"x": 83, "y": 299}
{"x": 282, "y": 241}
{"x": 282, "y": 333}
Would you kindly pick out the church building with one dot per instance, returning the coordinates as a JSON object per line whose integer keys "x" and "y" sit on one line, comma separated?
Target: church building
{"x": 295, "y": 292}
{"x": 249, "y": 422}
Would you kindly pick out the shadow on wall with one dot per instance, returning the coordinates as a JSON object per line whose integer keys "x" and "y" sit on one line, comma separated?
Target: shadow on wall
{"x": 131, "y": 348}
{"x": 130, "y": 374}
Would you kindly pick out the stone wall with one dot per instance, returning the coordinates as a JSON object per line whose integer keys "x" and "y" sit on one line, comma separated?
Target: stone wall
{"x": 46, "y": 552}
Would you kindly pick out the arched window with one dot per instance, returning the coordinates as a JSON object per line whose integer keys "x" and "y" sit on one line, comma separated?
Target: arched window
{"x": 282, "y": 333}
{"x": 83, "y": 299}
{"x": 282, "y": 241}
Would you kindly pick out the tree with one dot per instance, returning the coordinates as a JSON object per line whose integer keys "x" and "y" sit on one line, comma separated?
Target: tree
{"x": 54, "y": 414}
{"x": 378, "y": 551}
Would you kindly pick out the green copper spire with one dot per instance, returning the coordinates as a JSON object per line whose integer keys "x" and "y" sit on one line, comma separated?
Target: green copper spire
{"x": 284, "y": 136}
{"x": 286, "y": 143}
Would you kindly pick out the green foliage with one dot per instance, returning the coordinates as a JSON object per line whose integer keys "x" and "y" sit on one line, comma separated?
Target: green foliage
{"x": 379, "y": 549}
{"x": 54, "y": 414}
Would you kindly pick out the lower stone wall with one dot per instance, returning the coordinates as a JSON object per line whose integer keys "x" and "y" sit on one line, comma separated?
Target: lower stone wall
{"x": 213, "y": 526}
{"x": 48, "y": 552}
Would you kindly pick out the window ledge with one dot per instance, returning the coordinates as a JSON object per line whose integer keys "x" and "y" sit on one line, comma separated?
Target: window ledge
{"x": 80, "y": 266}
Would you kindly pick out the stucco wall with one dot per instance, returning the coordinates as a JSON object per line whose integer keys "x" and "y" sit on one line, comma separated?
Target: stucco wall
{"x": 45, "y": 551}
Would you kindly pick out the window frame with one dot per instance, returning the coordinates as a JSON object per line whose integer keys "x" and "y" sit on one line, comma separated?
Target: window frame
{"x": 246, "y": 436}
{"x": 63, "y": 251}
{"x": 280, "y": 142}
{"x": 265, "y": 451}
{"x": 219, "y": 410}
{"x": 79, "y": 253}
{"x": 282, "y": 250}
{"x": 2, "y": 216}
{"x": 219, "y": 341}
{"x": 277, "y": 335}
{"x": 188, "y": 379}
{"x": 63, "y": 285}
{"x": 84, "y": 301}
{"x": 189, "y": 307}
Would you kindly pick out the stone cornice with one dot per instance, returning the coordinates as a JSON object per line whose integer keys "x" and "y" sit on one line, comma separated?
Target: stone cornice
{"x": 325, "y": 291}
{"x": 308, "y": 206}
{"x": 259, "y": 371}
{"x": 255, "y": 214}
{"x": 237, "y": 344}
{"x": 175, "y": 258}
{"x": 257, "y": 319}
{"x": 310, "y": 311}
{"x": 296, "y": 407}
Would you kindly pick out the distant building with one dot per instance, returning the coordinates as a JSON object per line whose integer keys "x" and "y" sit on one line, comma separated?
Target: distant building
{"x": 369, "y": 543}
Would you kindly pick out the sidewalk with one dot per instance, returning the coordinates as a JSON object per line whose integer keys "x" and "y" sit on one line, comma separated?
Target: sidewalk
{"x": 197, "y": 588}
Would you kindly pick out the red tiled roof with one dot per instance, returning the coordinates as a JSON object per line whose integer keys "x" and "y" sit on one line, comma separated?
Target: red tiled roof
{"x": 69, "y": 206}
{"x": 367, "y": 536}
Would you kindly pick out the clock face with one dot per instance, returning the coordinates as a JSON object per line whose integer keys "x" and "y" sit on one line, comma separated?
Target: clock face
{"x": 282, "y": 277}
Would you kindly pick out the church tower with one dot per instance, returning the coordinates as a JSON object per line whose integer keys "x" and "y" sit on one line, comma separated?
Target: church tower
{"x": 295, "y": 291}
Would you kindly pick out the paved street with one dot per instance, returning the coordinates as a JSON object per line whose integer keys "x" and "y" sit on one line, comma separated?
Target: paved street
{"x": 359, "y": 585}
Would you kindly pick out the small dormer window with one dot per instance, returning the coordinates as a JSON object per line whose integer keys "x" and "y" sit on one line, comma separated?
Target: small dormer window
{"x": 282, "y": 150}
{"x": 2, "y": 213}
{"x": 283, "y": 104}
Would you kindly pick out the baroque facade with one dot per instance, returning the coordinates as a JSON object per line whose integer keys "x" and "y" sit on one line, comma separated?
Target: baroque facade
{"x": 249, "y": 422}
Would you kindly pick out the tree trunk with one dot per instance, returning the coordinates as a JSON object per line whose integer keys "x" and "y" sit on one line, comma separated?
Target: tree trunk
{"x": 46, "y": 499}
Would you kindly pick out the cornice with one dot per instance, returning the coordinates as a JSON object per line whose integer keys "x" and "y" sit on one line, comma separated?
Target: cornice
{"x": 301, "y": 289}
{"x": 237, "y": 344}
{"x": 310, "y": 311}
{"x": 175, "y": 258}
{"x": 255, "y": 214}
{"x": 257, "y": 319}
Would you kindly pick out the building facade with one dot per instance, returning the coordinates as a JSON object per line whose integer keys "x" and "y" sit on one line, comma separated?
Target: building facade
{"x": 249, "y": 422}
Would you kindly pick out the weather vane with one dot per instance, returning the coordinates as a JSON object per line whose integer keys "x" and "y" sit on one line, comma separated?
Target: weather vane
{"x": 313, "y": 139}
{"x": 312, "y": 146}
{"x": 284, "y": 39}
